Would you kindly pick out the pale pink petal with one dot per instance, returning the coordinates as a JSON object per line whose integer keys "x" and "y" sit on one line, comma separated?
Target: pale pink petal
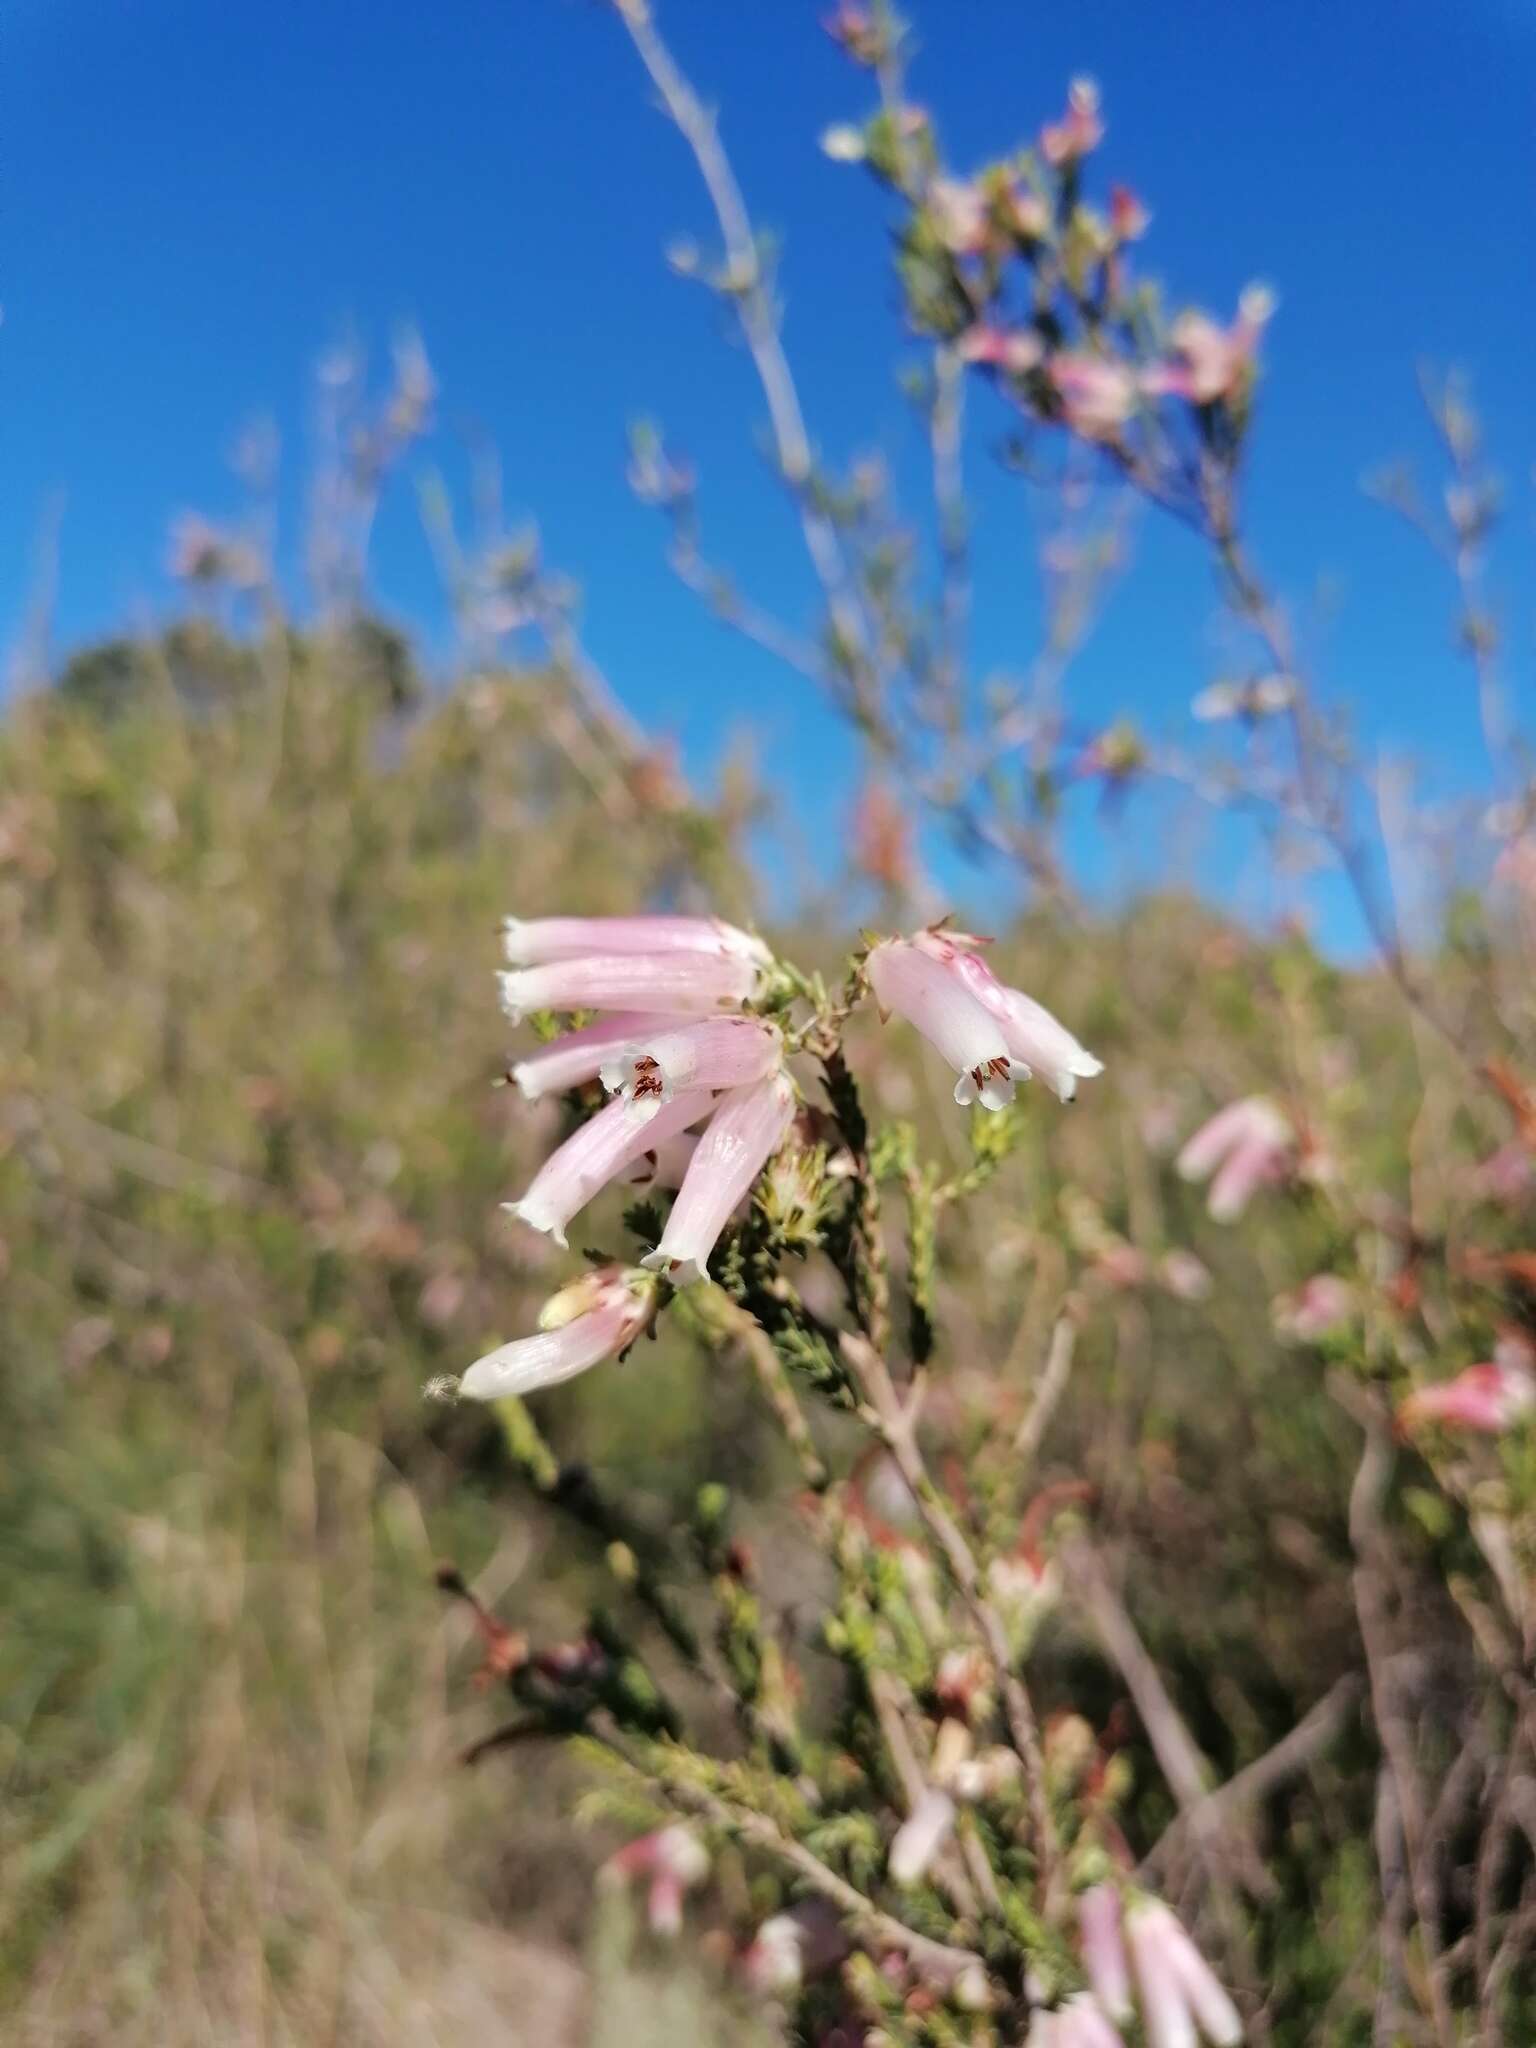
{"x": 1081, "y": 2024}
{"x": 1246, "y": 1168}
{"x": 1104, "y": 1957}
{"x": 598, "y": 1153}
{"x": 1205, "y": 1151}
{"x": 1485, "y": 1398}
{"x": 532, "y": 942}
{"x": 664, "y": 1904}
{"x": 720, "y": 1052}
{"x": 678, "y": 983}
{"x": 921, "y": 1836}
{"x": 559, "y": 1354}
{"x": 924, "y": 990}
{"x": 1032, "y": 1035}
{"x": 578, "y": 1056}
{"x": 1046, "y": 1046}
{"x": 1164, "y": 2007}
{"x": 1215, "y": 2014}
{"x": 745, "y": 1131}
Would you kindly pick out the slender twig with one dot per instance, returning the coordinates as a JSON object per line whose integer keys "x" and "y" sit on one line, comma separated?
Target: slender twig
{"x": 1315, "y": 1732}
{"x": 1049, "y": 1388}
{"x": 941, "y": 1958}
{"x": 1187, "y": 1771}
{"x": 894, "y": 1422}
{"x": 759, "y": 323}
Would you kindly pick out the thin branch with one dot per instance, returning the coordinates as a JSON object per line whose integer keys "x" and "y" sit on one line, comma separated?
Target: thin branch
{"x": 894, "y": 1422}
{"x": 759, "y": 325}
{"x": 943, "y": 1960}
{"x": 1315, "y": 1732}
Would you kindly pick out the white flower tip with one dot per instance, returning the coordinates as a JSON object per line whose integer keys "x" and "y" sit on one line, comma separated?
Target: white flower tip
{"x": 536, "y": 1222}
{"x": 681, "y": 1272}
{"x": 511, "y": 1005}
{"x": 524, "y": 1082}
{"x": 993, "y": 1085}
{"x": 493, "y": 1378}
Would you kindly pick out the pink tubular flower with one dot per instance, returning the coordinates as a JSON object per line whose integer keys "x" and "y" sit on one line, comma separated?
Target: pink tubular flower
{"x": 1247, "y": 1146}
{"x": 1319, "y": 1305}
{"x": 1104, "y": 1957}
{"x": 1080, "y": 2023}
{"x": 599, "y": 1153}
{"x": 1211, "y": 362}
{"x": 1184, "y": 1276}
{"x": 921, "y": 1836}
{"x": 928, "y": 992}
{"x": 533, "y": 942}
{"x": 596, "y": 1317}
{"x": 579, "y": 1056}
{"x": 1016, "y": 350}
{"x": 1505, "y": 1175}
{"x": 1032, "y": 1035}
{"x": 723, "y": 1052}
{"x": 1179, "y": 1993}
{"x": 1096, "y": 397}
{"x": 959, "y": 214}
{"x": 743, "y": 1134}
{"x": 674, "y": 1861}
{"x": 1487, "y": 1399}
{"x": 681, "y": 984}
{"x": 806, "y": 1941}
{"x": 1079, "y": 131}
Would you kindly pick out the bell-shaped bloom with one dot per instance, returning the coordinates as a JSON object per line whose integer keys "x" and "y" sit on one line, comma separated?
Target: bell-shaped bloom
{"x": 1032, "y": 1035}
{"x": 598, "y": 1153}
{"x": 921, "y": 1836}
{"x": 1246, "y": 1146}
{"x": 1320, "y": 1305}
{"x": 578, "y": 1056}
{"x": 720, "y": 1052}
{"x": 672, "y": 1861}
{"x": 1104, "y": 1957}
{"x": 680, "y": 983}
{"x": 929, "y": 993}
{"x": 596, "y": 1317}
{"x": 1211, "y": 362}
{"x": 745, "y": 1131}
{"x": 1487, "y": 1399}
{"x": 1096, "y": 396}
{"x": 534, "y": 941}
{"x": 1180, "y": 1997}
{"x": 1079, "y": 131}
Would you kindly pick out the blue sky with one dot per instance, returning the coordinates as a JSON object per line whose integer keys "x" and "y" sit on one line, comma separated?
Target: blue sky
{"x": 201, "y": 197}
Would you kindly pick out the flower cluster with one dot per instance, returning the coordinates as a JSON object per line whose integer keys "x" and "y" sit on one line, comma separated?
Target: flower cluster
{"x": 679, "y": 1045}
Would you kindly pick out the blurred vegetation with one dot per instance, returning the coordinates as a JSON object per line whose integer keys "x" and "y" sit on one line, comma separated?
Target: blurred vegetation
{"x": 251, "y": 1152}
